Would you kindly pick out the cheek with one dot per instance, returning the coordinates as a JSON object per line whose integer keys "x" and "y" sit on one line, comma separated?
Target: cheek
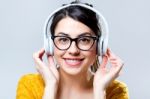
{"x": 57, "y": 54}
{"x": 93, "y": 50}
{"x": 91, "y": 55}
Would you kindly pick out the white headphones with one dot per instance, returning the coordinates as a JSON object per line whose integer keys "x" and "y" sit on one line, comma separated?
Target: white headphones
{"x": 103, "y": 39}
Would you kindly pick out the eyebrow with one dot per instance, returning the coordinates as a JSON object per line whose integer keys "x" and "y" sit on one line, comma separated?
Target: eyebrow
{"x": 83, "y": 34}
{"x": 61, "y": 33}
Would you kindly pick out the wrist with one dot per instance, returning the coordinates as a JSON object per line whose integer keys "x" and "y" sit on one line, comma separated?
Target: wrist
{"x": 99, "y": 87}
{"x": 52, "y": 88}
{"x": 99, "y": 94}
{"x": 49, "y": 92}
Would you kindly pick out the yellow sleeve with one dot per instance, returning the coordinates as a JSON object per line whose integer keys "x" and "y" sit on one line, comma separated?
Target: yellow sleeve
{"x": 30, "y": 86}
{"x": 117, "y": 90}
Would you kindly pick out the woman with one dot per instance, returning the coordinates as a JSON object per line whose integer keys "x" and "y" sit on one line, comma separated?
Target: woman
{"x": 74, "y": 33}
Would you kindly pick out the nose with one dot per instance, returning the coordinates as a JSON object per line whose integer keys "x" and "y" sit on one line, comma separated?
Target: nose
{"x": 73, "y": 50}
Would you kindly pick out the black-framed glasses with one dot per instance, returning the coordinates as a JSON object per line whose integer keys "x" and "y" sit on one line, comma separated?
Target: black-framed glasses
{"x": 83, "y": 43}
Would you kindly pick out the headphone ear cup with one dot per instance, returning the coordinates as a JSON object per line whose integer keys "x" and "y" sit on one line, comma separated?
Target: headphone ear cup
{"x": 48, "y": 46}
{"x": 104, "y": 46}
{"x": 99, "y": 48}
{"x": 51, "y": 46}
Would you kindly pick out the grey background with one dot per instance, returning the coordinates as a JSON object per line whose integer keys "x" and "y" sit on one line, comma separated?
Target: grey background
{"x": 21, "y": 26}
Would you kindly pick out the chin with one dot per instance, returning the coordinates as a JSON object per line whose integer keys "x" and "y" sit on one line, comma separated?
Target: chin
{"x": 72, "y": 71}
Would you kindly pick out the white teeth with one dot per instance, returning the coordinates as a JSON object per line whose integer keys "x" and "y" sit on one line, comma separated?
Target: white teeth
{"x": 72, "y": 60}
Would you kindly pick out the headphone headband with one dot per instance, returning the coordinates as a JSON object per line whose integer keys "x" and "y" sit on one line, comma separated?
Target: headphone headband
{"x": 102, "y": 22}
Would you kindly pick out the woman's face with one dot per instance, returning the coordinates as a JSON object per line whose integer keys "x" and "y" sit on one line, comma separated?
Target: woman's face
{"x": 73, "y": 60}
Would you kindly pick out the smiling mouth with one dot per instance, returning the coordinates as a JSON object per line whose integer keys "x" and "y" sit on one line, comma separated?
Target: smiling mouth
{"x": 73, "y": 62}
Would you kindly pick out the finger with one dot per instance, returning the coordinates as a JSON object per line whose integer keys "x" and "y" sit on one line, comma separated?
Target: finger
{"x": 104, "y": 62}
{"x": 115, "y": 70}
{"x": 51, "y": 61}
{"x": 110, "y": 54}
{"x": 41, "y": 67}
{"x": 52, "y": 66}
{"x": 38, "y": 70}
{"x": 41, "y": 53}
{"x": 112, "y": 59}
{"x": 117, "y": 61}
{"x": 37, "y": 56}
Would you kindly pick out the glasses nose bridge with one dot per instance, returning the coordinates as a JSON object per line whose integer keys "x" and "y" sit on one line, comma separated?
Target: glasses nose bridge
{"x": 75, "y": 40}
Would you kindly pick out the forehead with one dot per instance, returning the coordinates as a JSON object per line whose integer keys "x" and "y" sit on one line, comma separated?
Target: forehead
{"x": 72, "y": 27}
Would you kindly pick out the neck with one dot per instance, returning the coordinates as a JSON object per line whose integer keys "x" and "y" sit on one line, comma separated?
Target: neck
{"x": 76, "y": 82}
{"x": 73, "y": 85}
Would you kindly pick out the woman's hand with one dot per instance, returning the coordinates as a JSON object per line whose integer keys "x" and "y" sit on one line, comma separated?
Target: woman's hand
{"x": 103, "y": 77}
{"x": 48, "y": 72}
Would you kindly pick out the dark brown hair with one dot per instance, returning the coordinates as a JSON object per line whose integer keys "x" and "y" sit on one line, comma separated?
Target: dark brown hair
{"x": 81, "y": 14}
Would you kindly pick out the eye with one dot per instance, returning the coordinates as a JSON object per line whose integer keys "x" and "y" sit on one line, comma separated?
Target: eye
{"x": 85, "y": 40}
{"x": 63, "y": 40}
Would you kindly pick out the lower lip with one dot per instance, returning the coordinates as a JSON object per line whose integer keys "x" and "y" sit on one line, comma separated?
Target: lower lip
{"x": 73, "y": 64}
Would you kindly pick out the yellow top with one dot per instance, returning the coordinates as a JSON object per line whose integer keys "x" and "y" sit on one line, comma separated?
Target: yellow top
{"x": 31, "y": 86}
